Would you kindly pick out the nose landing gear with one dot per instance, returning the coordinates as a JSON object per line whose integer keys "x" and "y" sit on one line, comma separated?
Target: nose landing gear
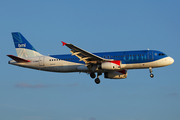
{"x": 150, "y": 70}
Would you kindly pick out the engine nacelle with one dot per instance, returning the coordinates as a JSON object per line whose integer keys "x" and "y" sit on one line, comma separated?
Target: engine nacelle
{"x": 111, "y": 65}
{"x": 116, "y": 74}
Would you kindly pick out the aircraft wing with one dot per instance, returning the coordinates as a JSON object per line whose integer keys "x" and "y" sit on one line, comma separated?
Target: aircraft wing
{"x": 85, "y": 56}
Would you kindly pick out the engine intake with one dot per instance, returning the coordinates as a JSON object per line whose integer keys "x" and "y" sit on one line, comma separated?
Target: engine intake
{"x": 111, "y": 65}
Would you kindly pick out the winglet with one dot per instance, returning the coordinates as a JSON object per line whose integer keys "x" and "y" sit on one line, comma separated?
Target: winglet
{"x": 63, "y": 43}
{"x": 18, "y": 59}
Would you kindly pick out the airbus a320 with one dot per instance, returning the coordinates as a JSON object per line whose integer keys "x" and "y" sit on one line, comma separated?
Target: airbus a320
{"x": 113, "y": 65}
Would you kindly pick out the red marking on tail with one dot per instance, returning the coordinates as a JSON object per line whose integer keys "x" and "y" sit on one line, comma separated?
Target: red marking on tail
{"x": 63, "y": 43}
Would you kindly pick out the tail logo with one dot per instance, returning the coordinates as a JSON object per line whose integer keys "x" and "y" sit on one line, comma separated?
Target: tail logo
{"x": 22, "y": 45}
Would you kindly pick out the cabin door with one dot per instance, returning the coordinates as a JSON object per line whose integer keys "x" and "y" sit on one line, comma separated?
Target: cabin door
{"x": 150, "y": 55}
{"x": 41, "y": 61}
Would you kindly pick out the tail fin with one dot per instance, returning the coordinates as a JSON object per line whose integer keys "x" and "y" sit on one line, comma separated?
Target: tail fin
{"x": 23, "y": 48}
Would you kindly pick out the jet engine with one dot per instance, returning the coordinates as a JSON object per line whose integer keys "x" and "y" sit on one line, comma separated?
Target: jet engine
{"x": 111, "y": 65}
{"x": 116, "y": 74}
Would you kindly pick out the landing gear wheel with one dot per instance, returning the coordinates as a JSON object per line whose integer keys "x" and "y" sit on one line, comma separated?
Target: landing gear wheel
{"x": 150, "y": 70}
{"x": 93, "y": 75}
{"x": 97, "y": 81}
{"x": 151, "y": 75}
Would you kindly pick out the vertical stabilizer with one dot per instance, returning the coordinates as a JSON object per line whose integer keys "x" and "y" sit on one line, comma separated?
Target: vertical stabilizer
{"x": 23, "y": 48}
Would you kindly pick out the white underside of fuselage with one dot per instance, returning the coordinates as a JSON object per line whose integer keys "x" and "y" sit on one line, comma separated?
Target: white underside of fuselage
{"x": 154, "y": 64}
{"x": 43, "y": 63}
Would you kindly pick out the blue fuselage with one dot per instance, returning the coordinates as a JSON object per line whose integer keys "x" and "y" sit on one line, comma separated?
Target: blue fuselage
{"x": 127, "y": 57}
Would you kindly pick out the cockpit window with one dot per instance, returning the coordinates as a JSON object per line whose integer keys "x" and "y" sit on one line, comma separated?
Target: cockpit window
{"x": 161, "y": 54}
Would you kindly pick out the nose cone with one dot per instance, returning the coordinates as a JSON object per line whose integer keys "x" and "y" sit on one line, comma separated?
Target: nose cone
{"x": 170, "y": 60}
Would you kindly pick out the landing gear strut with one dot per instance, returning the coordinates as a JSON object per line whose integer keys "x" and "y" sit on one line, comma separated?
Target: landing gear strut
{"x": 97, "y": 80}
{"x": 150, "y": 70}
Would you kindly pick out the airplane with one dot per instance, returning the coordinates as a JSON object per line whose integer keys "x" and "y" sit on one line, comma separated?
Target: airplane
{"x": 114, "y": 65}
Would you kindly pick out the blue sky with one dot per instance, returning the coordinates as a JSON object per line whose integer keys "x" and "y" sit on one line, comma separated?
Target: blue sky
{"x": 96, "y": 26}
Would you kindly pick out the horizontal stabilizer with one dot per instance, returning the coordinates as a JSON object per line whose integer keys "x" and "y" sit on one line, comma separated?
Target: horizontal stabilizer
{"x": 18, "y": 59}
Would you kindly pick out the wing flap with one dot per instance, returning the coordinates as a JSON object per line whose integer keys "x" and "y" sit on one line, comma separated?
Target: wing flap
{"x": 18, "y": 59}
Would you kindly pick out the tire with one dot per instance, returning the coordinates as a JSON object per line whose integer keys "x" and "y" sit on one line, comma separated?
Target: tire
{"x": 151, "y": 75}
{"x": 97, "y": 81}
{"x": 93, "y": 75}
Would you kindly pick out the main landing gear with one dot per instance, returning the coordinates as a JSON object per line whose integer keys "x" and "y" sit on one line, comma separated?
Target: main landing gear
{"x": 93, "y": 75}
{"x": 97, "y": 81}
{"x": 150, "y": 70}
